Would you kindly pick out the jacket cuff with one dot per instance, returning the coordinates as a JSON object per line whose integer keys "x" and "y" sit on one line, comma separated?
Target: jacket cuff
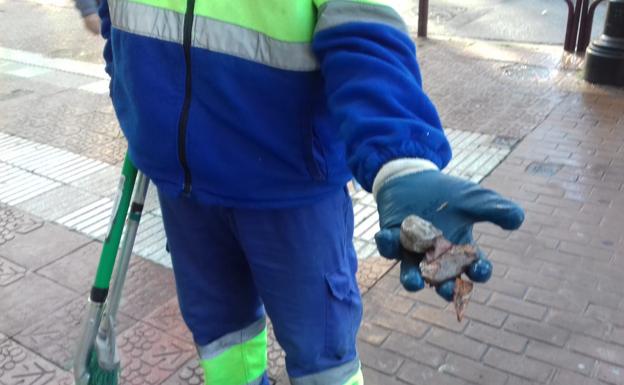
{"x": 400, "y": 167}
{"x": 87, "y": 7}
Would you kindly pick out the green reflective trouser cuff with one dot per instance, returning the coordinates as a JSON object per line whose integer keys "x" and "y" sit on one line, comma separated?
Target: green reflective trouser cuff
{"x": 357, "y": 379}
{"x": 242, "y": 363}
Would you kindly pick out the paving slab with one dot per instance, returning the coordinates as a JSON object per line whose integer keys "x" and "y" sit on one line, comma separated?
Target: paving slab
{"x": 10, "y": 272}
{"x": 168, "y": 319}
{"x": 42, "y": 246}
{"x": 150, "y": 356}
{"x": 14, "y": 222}
{"x": 148, "y": 286}
{"x": 75, "y": 270}
{"x": 56, "y": 336}
{"x": 191, "y": 373}
{"x": 20, "y": 366}
{"x": 29, "y": 300}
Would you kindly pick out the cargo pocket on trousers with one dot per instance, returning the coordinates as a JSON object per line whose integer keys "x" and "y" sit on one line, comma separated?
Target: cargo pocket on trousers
{"x": 342, "y": 312}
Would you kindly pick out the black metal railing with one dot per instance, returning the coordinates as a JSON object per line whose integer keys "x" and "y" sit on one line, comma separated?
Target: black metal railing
{"x": 423, "y": 17}
{"x": 579, "y": 25}
{"x": 578, "y": 28}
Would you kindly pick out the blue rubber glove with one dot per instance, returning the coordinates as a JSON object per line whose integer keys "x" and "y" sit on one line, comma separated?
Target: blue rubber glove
{"x": 453, "y": 205}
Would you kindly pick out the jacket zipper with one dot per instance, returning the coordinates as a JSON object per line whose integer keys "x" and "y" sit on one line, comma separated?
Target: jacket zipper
{"x": 184, "y": 114}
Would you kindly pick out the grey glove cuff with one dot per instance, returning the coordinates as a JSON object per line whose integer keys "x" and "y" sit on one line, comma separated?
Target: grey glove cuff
{"x": 400, "y": 167}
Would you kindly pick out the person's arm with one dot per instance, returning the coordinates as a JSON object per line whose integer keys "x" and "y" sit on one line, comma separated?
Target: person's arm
{"x": 88, "y": 10}
{"x": 395, "y": 143}
{"x": 374, "y": 88}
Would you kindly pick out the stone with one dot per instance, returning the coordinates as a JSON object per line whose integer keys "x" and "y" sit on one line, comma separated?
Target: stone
{"x": 418, "y": 235}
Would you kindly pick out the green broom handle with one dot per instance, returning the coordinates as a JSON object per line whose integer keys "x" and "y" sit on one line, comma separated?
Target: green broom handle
{"x": 115, "y": 230}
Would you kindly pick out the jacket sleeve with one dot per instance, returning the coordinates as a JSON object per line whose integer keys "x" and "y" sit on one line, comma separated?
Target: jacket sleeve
{"x": 86, "y": 7}
{"x": 374, "y": 88}
{"x": 104, "y": 14}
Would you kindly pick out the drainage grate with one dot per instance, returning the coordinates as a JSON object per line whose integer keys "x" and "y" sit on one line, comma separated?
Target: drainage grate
{"x": 31, "y": 173}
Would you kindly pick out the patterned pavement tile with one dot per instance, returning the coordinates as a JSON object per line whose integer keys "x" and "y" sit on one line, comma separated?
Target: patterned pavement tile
{"x": 72, "y": 120}
{"x": 42, "y": 246}
{"x": 150, "y": 356}
{"x": 10, "y": 272}
{"x": 13, "y": 221}
{"x": 29, "y": 300}
{"x": 55, "y": 337}
{"x": 19, "y": 366}
{"x": 190, "y": 374}
{"x": 148, "y": 286}
{"x": 167, "y": 318}
{"x": 77, "y": 269}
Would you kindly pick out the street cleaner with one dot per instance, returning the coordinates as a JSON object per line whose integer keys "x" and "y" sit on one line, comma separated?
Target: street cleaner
{"x": 251, "y": 117}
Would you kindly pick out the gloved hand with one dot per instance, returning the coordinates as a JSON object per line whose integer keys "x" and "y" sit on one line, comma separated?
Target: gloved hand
{"x": 453, "y": 205}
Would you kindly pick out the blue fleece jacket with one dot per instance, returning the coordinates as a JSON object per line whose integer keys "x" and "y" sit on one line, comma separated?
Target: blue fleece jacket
{"x": 260, "y": 136}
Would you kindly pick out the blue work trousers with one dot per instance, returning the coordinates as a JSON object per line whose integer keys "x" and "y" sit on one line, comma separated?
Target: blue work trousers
{"x": 297, "y": 264}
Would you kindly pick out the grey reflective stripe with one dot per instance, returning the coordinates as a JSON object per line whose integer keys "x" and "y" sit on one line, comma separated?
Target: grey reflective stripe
{"x": 337, "y": 12}
{"x": 213, "y": 35}
{"x": 218, "y": 36}
{"x": 334, "y": 376}
{"x": 219, "y": 346}
{"x": 147, "y": 21}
